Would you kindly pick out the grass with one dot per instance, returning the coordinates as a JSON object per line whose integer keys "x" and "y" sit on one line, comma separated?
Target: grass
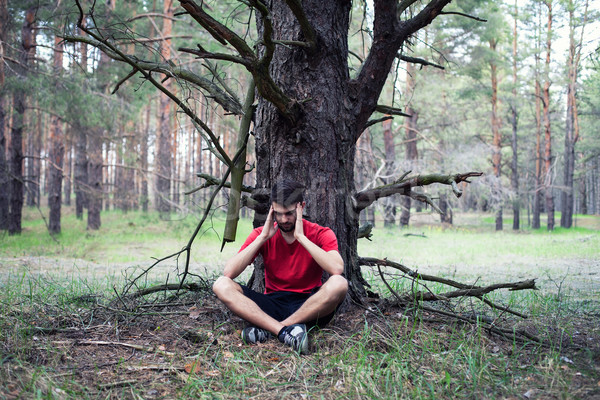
{"x": 48, "y": 312}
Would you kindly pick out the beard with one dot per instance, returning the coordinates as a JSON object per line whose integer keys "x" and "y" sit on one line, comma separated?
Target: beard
{"x": 287, "y": 228}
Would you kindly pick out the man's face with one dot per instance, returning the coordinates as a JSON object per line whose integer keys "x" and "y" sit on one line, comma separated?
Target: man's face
{"x": 285, "y": 216}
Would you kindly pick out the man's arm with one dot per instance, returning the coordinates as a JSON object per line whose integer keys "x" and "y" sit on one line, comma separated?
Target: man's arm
{"x": 238, "y": 263}
{"x": 330, "y": 261}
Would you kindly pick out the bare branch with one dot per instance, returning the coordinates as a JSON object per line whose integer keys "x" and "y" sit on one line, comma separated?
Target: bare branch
{"x": 416, "y": 60}
{"x": 377, "y": 121}
{"x": 391, "y": 111}
{"x": 403, "y": 186}
{"x": 229, "y": 103}
{"x": 152, "y": 15}
{"x": 201, "y": 53}
{"x": 219, "y": 31}
{"x": 463, "y": 15}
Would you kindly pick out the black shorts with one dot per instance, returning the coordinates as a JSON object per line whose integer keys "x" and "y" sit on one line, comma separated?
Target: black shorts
{"x": 281, "y": 305}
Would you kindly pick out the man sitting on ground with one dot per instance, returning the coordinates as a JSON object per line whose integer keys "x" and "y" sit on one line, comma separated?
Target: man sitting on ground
{"x": 295, "y": 254}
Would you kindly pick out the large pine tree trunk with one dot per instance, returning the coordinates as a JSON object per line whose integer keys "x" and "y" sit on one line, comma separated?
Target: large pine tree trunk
{"x": 318, "y": 150}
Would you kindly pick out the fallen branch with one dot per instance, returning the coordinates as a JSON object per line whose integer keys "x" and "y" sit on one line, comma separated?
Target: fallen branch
{"x": 489, "y": 325}
{"x": 464, "y": 290}
{"x": 122, "y": 344}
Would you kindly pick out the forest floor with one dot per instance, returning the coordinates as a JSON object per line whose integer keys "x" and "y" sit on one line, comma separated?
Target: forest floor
{"x": 66, "y": 331}
{"x": 90, "y": 345}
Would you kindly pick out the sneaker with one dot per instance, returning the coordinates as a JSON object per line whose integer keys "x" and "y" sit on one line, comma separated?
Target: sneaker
{"x": 296, "y": 337}
{"x": 253, "y": 334}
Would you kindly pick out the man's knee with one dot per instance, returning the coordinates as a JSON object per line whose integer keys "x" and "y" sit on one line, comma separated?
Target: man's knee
{"x": 222, "y": 286}
{"x": 338, "y": 286}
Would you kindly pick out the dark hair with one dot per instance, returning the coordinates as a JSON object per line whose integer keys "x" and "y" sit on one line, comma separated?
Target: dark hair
{"x": 287, "y": 192}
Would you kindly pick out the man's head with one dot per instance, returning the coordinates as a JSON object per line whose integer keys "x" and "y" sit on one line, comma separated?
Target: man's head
{"x": 285, "y": 195}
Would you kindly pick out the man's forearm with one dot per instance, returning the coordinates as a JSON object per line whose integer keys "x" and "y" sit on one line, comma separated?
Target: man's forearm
{"x": 330, "y": 261}
{"x": 238, "y": 263}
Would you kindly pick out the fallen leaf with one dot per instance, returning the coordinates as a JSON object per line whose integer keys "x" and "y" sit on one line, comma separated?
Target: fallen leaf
{"x": 228, "y": 354}
{"x": 214, "y": 372}
{"x": 192, "y": 368}
{"x": 528, "y": 394}
{"x": 162, "y": 347}
{"x": 194, "y": 313}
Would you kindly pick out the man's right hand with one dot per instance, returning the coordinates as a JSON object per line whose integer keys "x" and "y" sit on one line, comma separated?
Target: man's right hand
{"x": 270, "y": 227}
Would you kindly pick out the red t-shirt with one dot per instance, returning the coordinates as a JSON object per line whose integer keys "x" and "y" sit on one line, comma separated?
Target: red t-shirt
{"x": 290, "y": 267}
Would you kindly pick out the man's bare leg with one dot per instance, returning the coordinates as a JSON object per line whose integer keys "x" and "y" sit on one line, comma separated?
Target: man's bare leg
{"x": 232, "y": 295}
{"x": 322, "y": 303}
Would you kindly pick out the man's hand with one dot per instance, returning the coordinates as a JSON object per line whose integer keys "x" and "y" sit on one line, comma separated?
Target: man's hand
{"x": 270, "y": 228}
{"x": 299, "y": 231}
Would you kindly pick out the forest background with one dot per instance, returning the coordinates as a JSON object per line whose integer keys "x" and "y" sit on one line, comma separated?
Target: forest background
{"x": 516, "y": 97}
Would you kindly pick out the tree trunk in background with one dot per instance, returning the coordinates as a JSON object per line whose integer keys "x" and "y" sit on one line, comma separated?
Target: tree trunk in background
{"x": 56, "y": 151}
{"x": 389, "y": 206}
{"x": 446, "y": 217}
{"x": 94, "y": 195}
{"x": 365, "y": 168}
{"x": 571, "y": 123}
{"x": 15, "y": 206}
{"x": 80, "y": 174}
{"x": 548, "y": 172}
{"x": 131, "y": 160}
{"x": 410, "y": 135}
{"x": 514, "y": 164}
{"x": 4, "y": 181}
{"x": 144, "y": 161}
{"x": 537, "y": 194}
{"x": 583, "y": 204}
{"x": 68, "y": 169}
{"x": 164, "y": 139}
{"x": 34, "y": 153}
{"x": 496, "y": 135}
